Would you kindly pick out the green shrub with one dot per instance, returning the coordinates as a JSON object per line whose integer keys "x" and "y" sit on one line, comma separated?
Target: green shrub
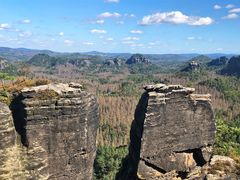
{"x": 108, "y": 162}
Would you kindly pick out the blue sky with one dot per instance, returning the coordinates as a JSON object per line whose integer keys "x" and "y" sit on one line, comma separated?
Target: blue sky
{"x": 144, "y": 26}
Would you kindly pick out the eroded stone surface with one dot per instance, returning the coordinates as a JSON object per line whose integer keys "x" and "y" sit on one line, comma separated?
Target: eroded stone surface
{"x": 58, "y": 126}
{"x": 173, "y": 130}
{"x": 7, "y": 134}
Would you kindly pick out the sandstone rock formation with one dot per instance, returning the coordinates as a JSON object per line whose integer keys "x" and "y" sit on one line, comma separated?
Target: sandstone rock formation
{"x": 137, "y": 59}
{"x": 7, "y": 133}
{"x": 113, "y": 62}
{"x": 172, "y": 134}
{"x": 58, "y": 126}
{"x": 192, "y": 66}
{"x": 3, "y": 64}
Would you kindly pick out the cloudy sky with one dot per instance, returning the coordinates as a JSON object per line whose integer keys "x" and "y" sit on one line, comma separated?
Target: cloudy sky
{"x": 144, "y": 26}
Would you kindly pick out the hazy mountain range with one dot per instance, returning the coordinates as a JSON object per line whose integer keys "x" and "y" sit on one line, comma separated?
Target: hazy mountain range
{"x": 22, "y": 54}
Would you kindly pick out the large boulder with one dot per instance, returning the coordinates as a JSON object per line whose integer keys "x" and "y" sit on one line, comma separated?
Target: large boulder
{"x": 58, "y": 126}
{"x": 172, "y": 134}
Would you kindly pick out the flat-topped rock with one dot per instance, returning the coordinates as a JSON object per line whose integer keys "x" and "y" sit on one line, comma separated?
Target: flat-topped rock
{"x": 58, "y": 88}
{"x": 162, "y": 88}
{"x": 58, "y": 125}
{"x": 173, "y": 131}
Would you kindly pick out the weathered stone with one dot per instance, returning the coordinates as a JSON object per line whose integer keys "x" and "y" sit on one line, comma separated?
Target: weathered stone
{"x": 58, "y": 125}
{"x": 7, "y": 131}
{"x": 173, "y": 130}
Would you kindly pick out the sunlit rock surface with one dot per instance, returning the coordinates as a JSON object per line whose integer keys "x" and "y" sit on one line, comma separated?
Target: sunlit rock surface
{"x": 172, "y": 134}
{"x": 57, "y": 124}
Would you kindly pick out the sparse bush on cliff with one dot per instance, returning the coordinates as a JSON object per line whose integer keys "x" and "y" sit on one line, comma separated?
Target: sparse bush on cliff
{"x": 108, "y": 162}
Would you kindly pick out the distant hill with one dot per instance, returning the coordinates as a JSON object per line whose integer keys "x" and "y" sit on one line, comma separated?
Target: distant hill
{"x": 233, "y": 67}
{"x": 218, "y": 62}
{"x": 21, "y": 54}
{"x": 196, "y": 63}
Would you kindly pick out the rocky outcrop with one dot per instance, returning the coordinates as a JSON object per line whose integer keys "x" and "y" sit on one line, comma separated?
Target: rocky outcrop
{"x": 137, "y": 59}
{"x": 57, "y": 125}
{"x": 3, "y": 64}
{"x": 172, "y": 134}
{"x": 233, "y": 67}
{"x": 113, "y": 62}
{"x": 192, "y": 66}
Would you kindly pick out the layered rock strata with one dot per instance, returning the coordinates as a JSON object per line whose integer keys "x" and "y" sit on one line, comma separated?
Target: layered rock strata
{"x": 7, "y": 136}
{"x": 172, "y": 134}
{"x": 58, "y": 126}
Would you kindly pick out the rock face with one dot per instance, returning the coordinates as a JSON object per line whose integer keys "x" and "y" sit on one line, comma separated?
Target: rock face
{"x": 58, "y": 126}
{"x": 233, "y": 67}
{"x": 137, "y": 59}
{"x": 7, "y": 132}
{"x": 172, "y": 134}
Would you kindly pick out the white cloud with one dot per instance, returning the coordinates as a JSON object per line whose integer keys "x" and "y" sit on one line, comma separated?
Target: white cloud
{"x": 88, "y": 43}
{"x": 216, "y": 6}
{"x": 219, "y": 49}
{"x": 109, "y": 39}
{"x": 190, "y": 38}
{"x": 4, "y": 26}
{"x": 112, "y": 1}
{"x": 230, "y": 6}
{"x": 152, "y": 43}
{"x": 98, "y": 31}
{"x": 109, "y": 15}
{"x": 99, "y": 21}
{"x": 231, "y": 16}
{"x": 68, "y": 42}
{"x": 128, "y": 42}
{"x": 26, "y": 21}
{"x": 129, "y": 15}
{"x": 175, "y": 17}
{"x": 136, "y": 31}
{"x": 236, "y": 10}
{"x": 130, "y": 39}
{"x": 61, "y": 34}
{"x": 194, "y": 38}
{"x": 25, "y": 34}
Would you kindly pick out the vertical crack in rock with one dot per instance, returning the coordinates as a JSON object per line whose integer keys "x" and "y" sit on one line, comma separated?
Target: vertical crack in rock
{"x": 172, "y": 133}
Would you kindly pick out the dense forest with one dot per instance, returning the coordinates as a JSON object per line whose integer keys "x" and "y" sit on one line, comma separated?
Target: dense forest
{"x": 118, "y": 86}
